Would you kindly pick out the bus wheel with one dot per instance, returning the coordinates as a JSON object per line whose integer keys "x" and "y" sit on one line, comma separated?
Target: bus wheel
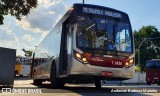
{"x": 15, "y": 73}
{"x": 55, "y": 82}
{"x": 37, "y": 82}
{"x": 20, "y": 75}
{"x": 148, "y": 83}
{"x": 61, "y": 83}
{"x": 98, "y": 83}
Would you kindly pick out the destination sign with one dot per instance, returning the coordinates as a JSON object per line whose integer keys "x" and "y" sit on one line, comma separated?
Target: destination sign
{"x": 101, "y": 12}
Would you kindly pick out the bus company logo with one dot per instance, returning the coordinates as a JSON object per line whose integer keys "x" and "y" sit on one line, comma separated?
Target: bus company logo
{"x": 97, "y": 59}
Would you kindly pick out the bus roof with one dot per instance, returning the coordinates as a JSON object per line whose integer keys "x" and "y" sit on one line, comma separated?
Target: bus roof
{"x": 153, "y": 60}
{"x": 23, "y": 57}
{"x": 79, "y": 5}
{"x": 70, "y": 10}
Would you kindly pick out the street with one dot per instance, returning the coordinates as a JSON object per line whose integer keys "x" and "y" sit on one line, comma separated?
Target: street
{"x": 84, "y": 89}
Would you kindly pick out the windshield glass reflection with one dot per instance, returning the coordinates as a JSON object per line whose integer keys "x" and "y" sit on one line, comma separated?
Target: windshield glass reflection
{"x": 104, "y": 34}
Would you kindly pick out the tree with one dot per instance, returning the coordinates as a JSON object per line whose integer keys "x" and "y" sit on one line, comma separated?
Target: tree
{"x": 150, "y": 49}
{"x": 137, "y": 68}
{"x": 17, "y": 8}
{"x": 28, "y": 53}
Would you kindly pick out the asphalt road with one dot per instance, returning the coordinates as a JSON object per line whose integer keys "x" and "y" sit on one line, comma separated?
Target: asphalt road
{"x": 25, "y": 83}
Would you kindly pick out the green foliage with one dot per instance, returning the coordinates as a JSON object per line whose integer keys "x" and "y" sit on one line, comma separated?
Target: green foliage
{"x": 137, "y": 68}
{"x": 150, "y": 48}
{"x": 28, "y": 53}
{"x": 17, "y": 8}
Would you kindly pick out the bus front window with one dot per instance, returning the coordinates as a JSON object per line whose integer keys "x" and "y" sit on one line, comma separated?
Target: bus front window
{"x": 123, "y": 37}
{"x": 91, "y": 32}
{"x": 104, "y": 34}
{"x": 153, "y": 64}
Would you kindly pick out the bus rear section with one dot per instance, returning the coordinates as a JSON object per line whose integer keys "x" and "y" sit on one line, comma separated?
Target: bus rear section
{"x": 153, "y": 72}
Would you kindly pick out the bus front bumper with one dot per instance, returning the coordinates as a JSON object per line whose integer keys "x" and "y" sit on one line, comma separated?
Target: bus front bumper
{"x": 90, "y": 70}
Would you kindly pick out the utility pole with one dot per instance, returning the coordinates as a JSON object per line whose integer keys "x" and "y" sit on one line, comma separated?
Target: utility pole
{"x": 139, "y": 60}
{"x": 83, "y": 1}
{"x": 139, "y": 51}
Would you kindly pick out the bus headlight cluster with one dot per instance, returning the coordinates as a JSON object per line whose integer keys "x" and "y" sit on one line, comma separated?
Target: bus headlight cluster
{"x": 80, "y": 57}
{"x": 129, "y": 63}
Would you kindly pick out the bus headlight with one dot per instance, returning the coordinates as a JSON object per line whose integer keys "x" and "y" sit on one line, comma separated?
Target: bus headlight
{"x": 84, "y": 59}
{"x": 129, "y": 63}
{"x": 126, "y": 64}
{"x": 80, "y": 57}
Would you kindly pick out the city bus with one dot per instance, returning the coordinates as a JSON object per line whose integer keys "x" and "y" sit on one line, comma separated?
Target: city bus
{"x": 23, "y": 66}
{"x": 153, "y": 71}
{"x": 89, "y": 43}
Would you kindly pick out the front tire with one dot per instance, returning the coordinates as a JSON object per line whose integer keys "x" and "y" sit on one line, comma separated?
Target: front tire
{"x": 20, "y": 75}
{"x": 37, "y": 82}
{"x": 56, "y": 82}
{"x": 98, "y": 83}
{"x": 148, "y": 83}
{"x": 15, "y": 73}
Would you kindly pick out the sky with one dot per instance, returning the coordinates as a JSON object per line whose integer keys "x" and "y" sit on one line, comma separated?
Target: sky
{"x": 33, "y": 28}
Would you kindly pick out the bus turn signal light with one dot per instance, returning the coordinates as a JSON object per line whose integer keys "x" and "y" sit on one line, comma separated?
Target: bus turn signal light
{"x": 127, "y": 64}
{"x": 84, "y": 60}
{"x": 131, "y": 61}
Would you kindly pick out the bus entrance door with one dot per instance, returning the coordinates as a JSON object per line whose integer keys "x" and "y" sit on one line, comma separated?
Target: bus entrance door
{"x": 64, "y": 49}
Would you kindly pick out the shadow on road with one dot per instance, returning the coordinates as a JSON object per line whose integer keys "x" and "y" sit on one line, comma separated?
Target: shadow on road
{"x": 89, "y": 91}
{"x": 68, "y": 89}
{"x": 80, "y": 90}
{"x": 20, "y": 78}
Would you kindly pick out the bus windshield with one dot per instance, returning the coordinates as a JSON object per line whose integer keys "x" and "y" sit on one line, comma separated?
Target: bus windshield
{"x": 153, "y": 64}
{"x": 104, "y": 34}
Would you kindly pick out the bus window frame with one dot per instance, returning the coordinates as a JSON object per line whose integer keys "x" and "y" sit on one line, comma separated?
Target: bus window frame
{"x": 109, "y": 18}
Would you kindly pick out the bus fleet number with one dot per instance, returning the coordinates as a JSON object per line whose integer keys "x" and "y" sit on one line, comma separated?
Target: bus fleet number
{"x": 116, "y": 63}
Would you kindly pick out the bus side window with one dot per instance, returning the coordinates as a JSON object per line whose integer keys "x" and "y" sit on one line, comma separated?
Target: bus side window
{"x": 39, "y": 61}
{"x": 35, "y": 62}
{"x": 17, "y": 61}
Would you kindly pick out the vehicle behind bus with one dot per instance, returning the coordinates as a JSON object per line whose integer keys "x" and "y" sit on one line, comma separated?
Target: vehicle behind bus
{"x": 23, "y": 66}
{"x": 153, "y": 71}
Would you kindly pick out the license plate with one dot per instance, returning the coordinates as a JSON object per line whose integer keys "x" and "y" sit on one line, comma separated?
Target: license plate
{"x": 155, "y": 77}
{"x": 105, "y": 73}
